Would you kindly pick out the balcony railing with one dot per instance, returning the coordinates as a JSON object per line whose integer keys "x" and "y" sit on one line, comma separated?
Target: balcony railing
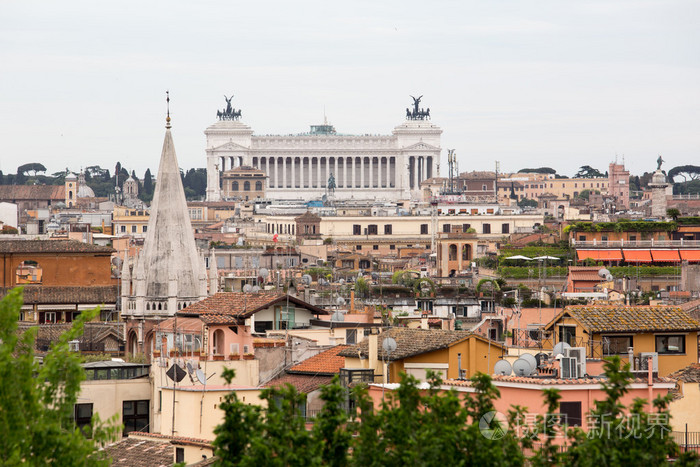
{"x": 535, "y": 338}
{"x": 636, "y": 244}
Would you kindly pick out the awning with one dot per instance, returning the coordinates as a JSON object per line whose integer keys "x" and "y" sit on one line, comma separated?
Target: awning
{"x": 599, "y": 255}
{"x": 690, "y": 255}
{"x": 666, "y": 256}
{"x": 637, "y": 256}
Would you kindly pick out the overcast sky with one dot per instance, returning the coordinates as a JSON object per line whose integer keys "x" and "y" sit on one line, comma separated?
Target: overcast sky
{"x": 528, "y": 83}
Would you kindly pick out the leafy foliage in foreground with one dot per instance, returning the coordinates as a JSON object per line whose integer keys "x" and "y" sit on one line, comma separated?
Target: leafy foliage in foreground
{"x": 425, "y": 425}
{"x": 36, "y": 401}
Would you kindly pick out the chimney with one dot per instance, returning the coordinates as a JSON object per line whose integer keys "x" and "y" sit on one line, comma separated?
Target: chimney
{"x": 424, "y": 321}
{"x": 352, "y": 300}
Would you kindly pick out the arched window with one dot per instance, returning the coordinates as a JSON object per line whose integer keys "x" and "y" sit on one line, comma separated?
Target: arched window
{"x": 28, "y": 272}
{"x": 70, "y": 194}
{"x": 234, "y": 186}
{"x": 148, "y": 306}
{"x": 453, "y": 253}
{"x": 466, "y": 252}
{"x": 246, "y": 186}
{"x": 218, "y": 342}
{"x": 258, "y": 186}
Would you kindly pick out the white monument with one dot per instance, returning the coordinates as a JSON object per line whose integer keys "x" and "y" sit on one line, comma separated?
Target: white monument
{"x": 299, "y": 166}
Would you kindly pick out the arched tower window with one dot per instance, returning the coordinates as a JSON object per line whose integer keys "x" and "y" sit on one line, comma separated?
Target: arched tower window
{"x": 453, "y": 253}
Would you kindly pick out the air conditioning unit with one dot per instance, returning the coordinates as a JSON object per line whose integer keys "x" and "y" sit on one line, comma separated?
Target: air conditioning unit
{"x": 74, "y": 346}
{"x": 644, "y": 361}
{"x": 578, "y": 353}
{"x": 568, "y": 368}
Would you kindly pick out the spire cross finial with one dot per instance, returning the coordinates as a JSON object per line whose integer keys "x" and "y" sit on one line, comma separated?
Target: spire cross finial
{"x": 167, "y": 101}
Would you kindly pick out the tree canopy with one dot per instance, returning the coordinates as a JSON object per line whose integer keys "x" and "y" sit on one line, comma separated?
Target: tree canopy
{"x": 31, "y": 167}
{"x": 688, "y": 172}
{"x": 427, "y": 425}
{"x": 586, "y": 171}
{"x": 541, "y": 170}
{"x": 37, "y": 400}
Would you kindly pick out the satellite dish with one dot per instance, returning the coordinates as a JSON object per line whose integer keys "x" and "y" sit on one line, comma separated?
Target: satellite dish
{"x": 609, "y": 277}
{"x": 240, "y": 241}
{"x": 256, "y": 289}
{"x": 603, "y": 272}
{"x": 560, "y": 348}
{"x": 341, "y": 281}
{"x": 389, "y": 345}
{"x": 522, "y": 367}
{"x": 263, "y": 272}
{"x": 503, "y": 367}
{"x": 306, "y": 279}
{"x": 247, "y": 288}
{"x": 531, "y": 360}
{"x": 201, "y": 377}
{"x": 322, "y": 281}
{"x": 340, "y": 301}
{"x": 190, "y": 368}
{"x": 337, "y": 316}
{"x": 117, "y": 261}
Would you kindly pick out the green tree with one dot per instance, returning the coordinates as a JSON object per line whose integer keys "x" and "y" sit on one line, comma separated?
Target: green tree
{"x": 361, "y": 287}
{"x": 586, "y": 171}
{"x": 541, "y": 170}
{"x": 31, "y": 167}
{"x": 673, "y": 213}
{"x": 527, "y": 203}
{"x": 688, "y": 172}
{"x": 625, "y": 436}
{"x": 147, "y": 193}
{"x": 37, "y": 401}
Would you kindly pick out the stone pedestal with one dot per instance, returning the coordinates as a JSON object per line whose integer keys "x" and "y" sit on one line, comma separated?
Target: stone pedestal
{"x": 658, "y": 187}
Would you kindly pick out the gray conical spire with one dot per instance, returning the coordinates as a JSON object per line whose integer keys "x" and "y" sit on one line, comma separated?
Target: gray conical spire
{"x": 170, "y": 250}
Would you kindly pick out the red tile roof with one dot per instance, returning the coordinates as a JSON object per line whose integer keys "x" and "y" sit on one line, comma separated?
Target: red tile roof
{"x": 134, "y": 452}
{"x": 32, "y": 192}
{"x": 551, "y": 381}
{"x": 630, "y": 318}
{"x": 242, "y": 305}
{"x": 51, "y": 246}
{"x": 411, "y": 342}
{"x": 302, "y": 383}
{"x": 327, "y": 362}
{"x": 584, "y": 273}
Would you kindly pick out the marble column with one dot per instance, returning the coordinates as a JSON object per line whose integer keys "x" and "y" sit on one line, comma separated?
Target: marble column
{"x": 301, "y": 172}
{"x": 284, "y": 172}
{"x": 293, "y": 170}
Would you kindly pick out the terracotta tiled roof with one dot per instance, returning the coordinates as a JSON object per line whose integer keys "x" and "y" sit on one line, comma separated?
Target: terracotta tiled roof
{"x": 242, "y": 305}
{"x": 632, "y": 318}
{"x": 551, "y": 381}
{"x": 409, "y": 342}
{"x": 689, "y": 374}
{"x": 327, "y": 362}
{"x": 134, "y": 452}
{"x": 584, "y": 273}
{"x": 51, "y": 246}
{"x": 32, "y": 192}
{"x": 303, "y": 383}
{"x": 41, "y": 294}
{"x": 180, "y": 440}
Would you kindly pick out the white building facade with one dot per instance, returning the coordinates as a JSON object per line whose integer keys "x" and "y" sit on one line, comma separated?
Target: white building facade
{"x": 299, "y": 166}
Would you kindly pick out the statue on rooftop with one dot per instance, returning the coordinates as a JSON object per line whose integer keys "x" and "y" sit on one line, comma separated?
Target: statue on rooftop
{"x": 659, "y": 161}
{"x": 229, "y": 113}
